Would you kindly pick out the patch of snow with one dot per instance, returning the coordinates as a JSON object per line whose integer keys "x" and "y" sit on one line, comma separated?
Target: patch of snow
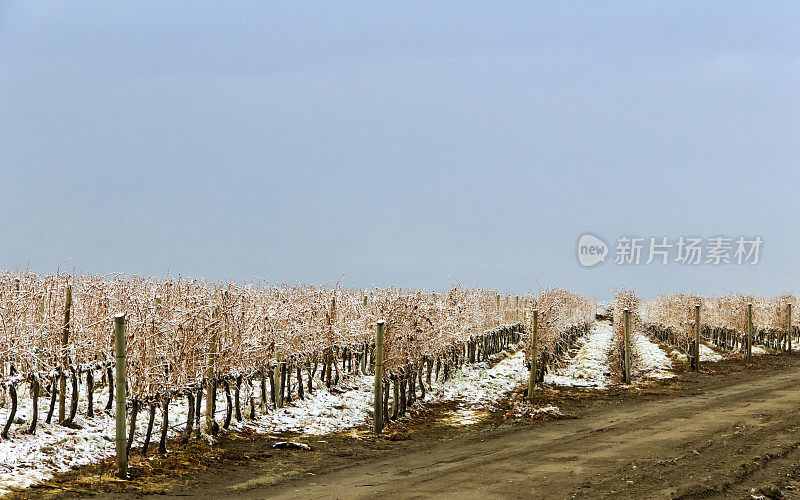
{"x": 520, "y": 407}
{"x": 552, "y": 411}
{"x": 653, "y": 362}
{"x": 605, "y": 308}
{"x": 590, "y": 364}
{"x": 478, "y": 385}
{"x": 29, "y": 459}
{"x": 321, "y": 413}
{"x": 708, "y": 354}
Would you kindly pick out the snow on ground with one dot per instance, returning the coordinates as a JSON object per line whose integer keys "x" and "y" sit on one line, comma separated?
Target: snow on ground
{"x": 26, "y": 459}
{"x": 605, "y": 308}
{"x": 478, "y": 385}
{"x": 550, "y": 410}
{"x": 673, "y": 352}
{"x": 321, "y": 413}
{"x": 653, "y": 362}
{"x": 589, "y": 366}
{"x": 708, "y": 354}
{"x": 477, "y": 388}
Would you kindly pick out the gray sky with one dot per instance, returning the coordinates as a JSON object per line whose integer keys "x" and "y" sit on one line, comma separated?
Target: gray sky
{"x": 406, "y": 144}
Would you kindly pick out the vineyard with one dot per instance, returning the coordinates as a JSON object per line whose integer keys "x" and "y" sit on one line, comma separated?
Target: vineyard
{"x": 724, "y": 322}
{"x": 208, "y": 358}
{"x": 251, "y": 348}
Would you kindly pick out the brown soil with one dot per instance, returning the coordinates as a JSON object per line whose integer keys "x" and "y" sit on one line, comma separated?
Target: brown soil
{"x": 730, "y": 431}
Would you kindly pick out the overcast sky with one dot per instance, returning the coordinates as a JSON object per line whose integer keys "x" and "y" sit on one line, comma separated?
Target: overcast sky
{"x": 402, "y": 143}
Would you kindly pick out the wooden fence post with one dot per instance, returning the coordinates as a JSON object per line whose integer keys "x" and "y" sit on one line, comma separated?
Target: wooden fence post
{"x": 378, "y": 403}
{"x": 789, "y": 325}
{"x": 62, "y": 388}
{"x": 697, "y": 338}
{"x": 122, "y": 453}
{"x": 749, "y": 338}
{"x": 627, "y": 348}
{"x": 534, "y": 354}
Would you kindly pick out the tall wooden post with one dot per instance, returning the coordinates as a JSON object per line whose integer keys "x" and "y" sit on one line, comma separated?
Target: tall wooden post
{"x": 789, "y": 325}
{"x": 627, "y": 347}
{"x": 122, "y": 454}
{"x": 697, "y": 338}
{"x": 749, "y": 338}
{"x": 378, "y": 403}
{"x": 62, "y": 388}
{"x": 534, "y": 354}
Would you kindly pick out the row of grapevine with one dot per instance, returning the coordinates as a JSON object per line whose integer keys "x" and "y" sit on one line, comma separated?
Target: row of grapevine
{"x": 723, "y": 320}
{"x": 563, "y": 317}
{"x": 185, "y": 337}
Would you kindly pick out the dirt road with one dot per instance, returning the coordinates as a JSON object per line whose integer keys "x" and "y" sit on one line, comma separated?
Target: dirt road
{"x": 700, "y": 436}
{"x": 726, "y": 439}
